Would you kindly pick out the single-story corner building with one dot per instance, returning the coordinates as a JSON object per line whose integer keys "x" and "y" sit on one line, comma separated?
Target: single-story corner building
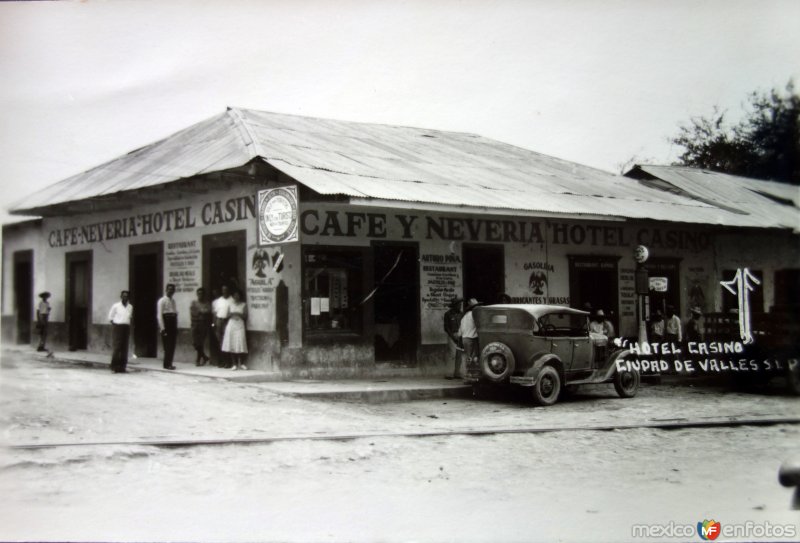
{"x": 350, "y": 239}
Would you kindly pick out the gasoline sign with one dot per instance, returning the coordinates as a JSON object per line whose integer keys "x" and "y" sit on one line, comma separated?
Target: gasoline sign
{"x": 277, "y": 215}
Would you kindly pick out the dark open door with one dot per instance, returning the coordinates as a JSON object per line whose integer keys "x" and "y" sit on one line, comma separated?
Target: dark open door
{"x": 145, "y": 277}
{"x": 224, "y": 261}
{"x": 23, "y": 294}
{"x": 396, "y": 302}
{"x": 484, "y": 272}
{"x": 593, "y": 282}
{"x": 78, "y": 298}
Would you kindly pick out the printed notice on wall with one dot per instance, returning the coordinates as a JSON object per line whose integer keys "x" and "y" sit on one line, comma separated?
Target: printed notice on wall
{"x": 440, "y": 280}
{"x": 627, "y": 292}
{"x": 183, "y": 265}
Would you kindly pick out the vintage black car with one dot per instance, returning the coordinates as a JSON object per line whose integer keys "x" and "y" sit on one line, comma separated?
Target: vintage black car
{"x": 545, "y": 348}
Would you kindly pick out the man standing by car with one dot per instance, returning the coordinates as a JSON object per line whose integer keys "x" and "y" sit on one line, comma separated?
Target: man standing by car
{"x": 468, "y": 333}
{"x": 452, "y": 322}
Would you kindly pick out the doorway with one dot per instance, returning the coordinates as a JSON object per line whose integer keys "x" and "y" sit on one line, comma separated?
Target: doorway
{"x": 484, "y": 272}
{"x": 145, "y": 278}
{"x": 78, "y": 298}
{"x": 224, "y": 261}
{"x": 593, "y": 281}
{"x": 23, "y": 294}
{"x": 396, "y": 302}
{"x": 665, "y": 268}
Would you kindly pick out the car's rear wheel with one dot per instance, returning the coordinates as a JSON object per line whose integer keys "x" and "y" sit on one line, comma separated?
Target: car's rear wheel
{"x": 547, "y": 387}
{"x": 626, "y": 383}
{"x": 497, "y": 362}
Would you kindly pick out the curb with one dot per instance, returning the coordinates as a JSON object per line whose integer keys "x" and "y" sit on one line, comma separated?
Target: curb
{"x": 385, "y": 396}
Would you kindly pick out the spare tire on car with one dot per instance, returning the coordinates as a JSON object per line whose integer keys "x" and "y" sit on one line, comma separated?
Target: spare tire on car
{"x": 497, "y": 362}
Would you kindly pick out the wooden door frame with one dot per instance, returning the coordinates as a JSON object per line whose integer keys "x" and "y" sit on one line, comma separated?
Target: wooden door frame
{"x": 236, "y": 238}
{"x": 22, "y": 257}
{"x": 140, "y": 249}
{"x": 71, "y": 258}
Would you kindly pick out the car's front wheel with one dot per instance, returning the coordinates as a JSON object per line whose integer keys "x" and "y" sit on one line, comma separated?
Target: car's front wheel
{"x": 547, "y": 387}
{"x": 626, "y": 383}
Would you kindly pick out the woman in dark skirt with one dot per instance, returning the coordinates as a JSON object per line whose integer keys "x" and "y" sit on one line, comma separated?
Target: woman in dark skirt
{"x": 200, "y": 312}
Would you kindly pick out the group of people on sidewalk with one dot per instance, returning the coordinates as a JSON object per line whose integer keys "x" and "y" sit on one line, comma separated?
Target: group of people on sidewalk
{"x": 222, "y": 322}
{"x": 670, "y": 329}
{"x": 460, "y": 328}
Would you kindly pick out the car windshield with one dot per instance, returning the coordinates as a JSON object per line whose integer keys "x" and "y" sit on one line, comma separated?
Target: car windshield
{"x": 562, "y": 324}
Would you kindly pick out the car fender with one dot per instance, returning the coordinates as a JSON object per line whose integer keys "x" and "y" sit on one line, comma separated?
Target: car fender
{"x": 610, "y": 367}
{"x": 542, "y": 359}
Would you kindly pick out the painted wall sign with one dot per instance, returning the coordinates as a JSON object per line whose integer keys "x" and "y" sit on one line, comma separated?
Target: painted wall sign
{"x": 277, "y": 215}
{"x": 335, "y": 223}
{"x": 217, "y": 212}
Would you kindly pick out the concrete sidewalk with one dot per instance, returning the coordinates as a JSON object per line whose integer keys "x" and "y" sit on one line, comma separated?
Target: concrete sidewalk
{"x": 364, "y": 390}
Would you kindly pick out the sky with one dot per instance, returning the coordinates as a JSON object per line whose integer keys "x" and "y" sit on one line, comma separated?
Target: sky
{"x": 599, "y": 83}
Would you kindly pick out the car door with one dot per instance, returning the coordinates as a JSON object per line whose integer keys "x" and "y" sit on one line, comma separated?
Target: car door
{"x": 582, "y": 348}
{"x": 556, "y": 328}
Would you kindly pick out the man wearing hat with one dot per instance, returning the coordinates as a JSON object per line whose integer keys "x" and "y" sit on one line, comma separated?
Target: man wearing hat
{"x": 600, "y": 331}
{"x": 468, "y": 333}
{"x": 452, "y": 321}
{"x": 694, "y": 328}
{"x": 42, "y": 318}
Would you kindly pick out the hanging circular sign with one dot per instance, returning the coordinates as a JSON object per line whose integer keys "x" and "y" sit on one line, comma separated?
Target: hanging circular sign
{"x": 640, "y": 254}
{"x": 277, "y": 215}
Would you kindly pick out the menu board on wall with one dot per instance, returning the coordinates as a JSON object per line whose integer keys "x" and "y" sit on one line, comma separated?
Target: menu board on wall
{"x": 440, "y": 280}
{"x": 183, "y": 265}
{"x": 627, "y": 292}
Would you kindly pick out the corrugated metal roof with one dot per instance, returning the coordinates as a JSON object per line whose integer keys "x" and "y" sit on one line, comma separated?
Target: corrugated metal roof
{"x": 734, "y": 192}
{"x": 383, "y": 162}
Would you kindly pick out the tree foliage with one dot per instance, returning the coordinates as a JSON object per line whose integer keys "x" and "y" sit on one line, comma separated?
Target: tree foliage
{"x": 765, "y": 144}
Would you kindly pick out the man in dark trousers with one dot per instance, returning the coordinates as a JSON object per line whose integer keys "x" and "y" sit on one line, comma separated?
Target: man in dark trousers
{"x": 694, "y": 327}
{"x": 43, "y": 319}
{"x": 120, "y": 316}
{"x": 452, "y": 321}
{"x": 468, "y": 333}
{"x": 167, "y": 313}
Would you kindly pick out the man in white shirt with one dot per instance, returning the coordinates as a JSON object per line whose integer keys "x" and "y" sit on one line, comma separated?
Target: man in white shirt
{"x": 468, "y": 333}
{"x": 220, "y": 307}
{"x": 167, "y": 315}
{"x": 42, "y": 319}
{"x": 673, "y": 329}
{"x": 120, "y": 316}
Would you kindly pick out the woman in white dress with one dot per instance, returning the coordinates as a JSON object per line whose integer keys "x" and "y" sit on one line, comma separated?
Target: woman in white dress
{"x": 234, "y": 341}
